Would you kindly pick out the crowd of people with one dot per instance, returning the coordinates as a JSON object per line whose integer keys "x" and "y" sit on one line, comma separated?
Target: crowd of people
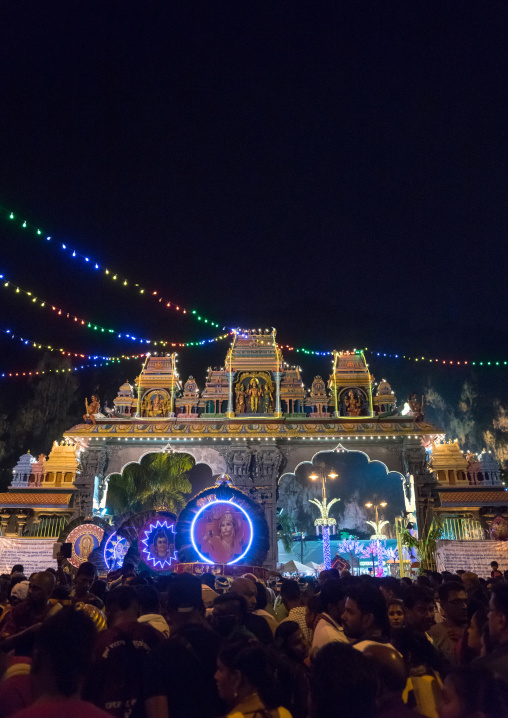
{"x": 183, "y": 646}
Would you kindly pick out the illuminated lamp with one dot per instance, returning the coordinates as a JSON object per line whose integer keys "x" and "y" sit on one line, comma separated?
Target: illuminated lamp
{"x": 207, "y": 506}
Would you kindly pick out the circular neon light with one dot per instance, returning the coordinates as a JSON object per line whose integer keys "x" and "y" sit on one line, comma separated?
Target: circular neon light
{"x": 207, "y": 506}
{"x": 114, "y": 551}
{"x": 158, "y": 562}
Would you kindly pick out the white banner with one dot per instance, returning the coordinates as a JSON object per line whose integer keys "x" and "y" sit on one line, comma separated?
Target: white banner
{"x": 472, "y": 556}
{"x": 34, "y": 554}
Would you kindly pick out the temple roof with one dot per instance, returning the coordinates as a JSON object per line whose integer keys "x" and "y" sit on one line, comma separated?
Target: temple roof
{"x": 251, "y": 428}
{"x": 491, "y": 497}
{"x": 40, "y": 499}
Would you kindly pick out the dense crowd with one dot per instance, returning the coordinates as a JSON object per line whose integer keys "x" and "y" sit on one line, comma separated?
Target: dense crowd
{"x": 180, "y": 646}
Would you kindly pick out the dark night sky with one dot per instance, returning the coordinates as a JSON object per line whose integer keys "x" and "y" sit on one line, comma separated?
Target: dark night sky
{"x": 337, "y": 170}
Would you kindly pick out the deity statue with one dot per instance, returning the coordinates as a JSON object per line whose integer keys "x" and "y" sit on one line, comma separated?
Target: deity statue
{"x": 157, "y": 405}
{"x": 267, "y": 399}
{"x": 254, "y": 394}
{"x": 352, "y": 403}
{"x": 415, "y": 407}
{"x": 240, "y": 400}
{"x": 92, "y": 409}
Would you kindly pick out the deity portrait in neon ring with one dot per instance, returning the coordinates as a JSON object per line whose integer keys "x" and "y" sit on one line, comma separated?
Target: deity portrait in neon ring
{"x": 158, "y": 544}
{"x": 221, "y": 532}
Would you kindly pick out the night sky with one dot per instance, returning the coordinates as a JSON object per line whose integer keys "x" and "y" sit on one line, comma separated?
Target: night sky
{"x": 336, "y": 170}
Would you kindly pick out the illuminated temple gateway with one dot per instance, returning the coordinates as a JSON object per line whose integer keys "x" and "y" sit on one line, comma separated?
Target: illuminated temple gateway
{"x": 255, "y": 421}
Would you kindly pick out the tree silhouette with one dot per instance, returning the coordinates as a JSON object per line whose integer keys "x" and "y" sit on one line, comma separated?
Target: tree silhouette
{"x": 158, "y": 482}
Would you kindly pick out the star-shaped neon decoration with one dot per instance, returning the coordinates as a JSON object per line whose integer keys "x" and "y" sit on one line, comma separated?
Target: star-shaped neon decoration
{"x": 152, "y": 560}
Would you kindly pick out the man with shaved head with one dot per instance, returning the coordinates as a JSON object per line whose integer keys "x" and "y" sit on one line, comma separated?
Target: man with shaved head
{"x": 36, "y": 607}
{"x": 255, "y": 624}
{"x": 391, "y": 677}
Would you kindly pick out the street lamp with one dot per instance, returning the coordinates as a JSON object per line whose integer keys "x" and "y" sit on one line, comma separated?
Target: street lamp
{"x": 325, "y": 521}
{"x": 377, "y": 525}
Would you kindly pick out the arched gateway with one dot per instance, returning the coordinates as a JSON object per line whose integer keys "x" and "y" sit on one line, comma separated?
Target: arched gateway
{"x": 254, "y": 421}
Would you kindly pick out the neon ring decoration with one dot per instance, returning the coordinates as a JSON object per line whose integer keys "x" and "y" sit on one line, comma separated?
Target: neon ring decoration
{"x": 114, "y": 551}
{"x": 158, "y": 543}
{"x": 221, "y": 532}
{"x": 84, "y": 539}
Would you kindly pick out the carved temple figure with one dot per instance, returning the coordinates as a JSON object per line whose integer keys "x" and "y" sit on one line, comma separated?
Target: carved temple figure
{"x": 240, "y": 400}
{"x": 267, "y": 399}
{"x": 415, "y": 407}
{"x": 352, "y": 403}
{"x": 254, "y": 394}
{"x": 92, "y": 409}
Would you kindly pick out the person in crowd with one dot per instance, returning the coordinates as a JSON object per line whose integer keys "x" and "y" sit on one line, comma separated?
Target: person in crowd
{"x": 99, "y": 588}
{"x": 17, "y": 568}
{"x": 446, "y": 635}
{"x": 261, "y": 605}
{"x": 179, "y": 674}
{"x": 246, "y": 681}
{"x": 470, "y": 645}
{"x": 365, "y": 617}
{"x": 497, "y": 657}
{"x": 255, "y": 624}
{"x": 62, "y": 656}
{"x": 221, "y": 585}
{"x": 494, "y": 570}
{"x": 116, "y": 682}
{"x": 83, "y": 581}
{"x": 294, "y": 604}
{"x": 473, "y": 692}
{"x": 313, "y": 613}
{"x": 229, "y": 616}
{"x": 292, "y": 673}
{"x": 392, "y": 676}
{"x": 207, "y": 589}
{"x": 419, "y": 609}
{"x": 330, "y": 625}
{"x": 395, "y": 609}
{"x": 150, "y": 610}
{"x": 389, "y": 587}
{"x": 20, "y": 623}
{"x": 342, "y": 683}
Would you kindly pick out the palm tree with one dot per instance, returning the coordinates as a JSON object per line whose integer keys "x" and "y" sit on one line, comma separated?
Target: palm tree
{"x": 158, "y": 482}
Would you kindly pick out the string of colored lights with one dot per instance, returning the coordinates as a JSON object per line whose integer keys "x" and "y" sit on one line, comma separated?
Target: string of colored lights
{"x": 97, "y": 327}
{"x": 96, "y": 266}
{"x": 123, "y": 281}
{"x": 64, "y": 352}
{"x": 448, "y": 362}
{"x": 12, "y": 374}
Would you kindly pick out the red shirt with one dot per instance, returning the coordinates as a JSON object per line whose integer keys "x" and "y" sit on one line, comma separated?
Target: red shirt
{"x": 61, "y": 709}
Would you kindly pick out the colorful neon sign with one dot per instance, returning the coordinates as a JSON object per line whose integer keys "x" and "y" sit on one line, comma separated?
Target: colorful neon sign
{"x": 114, "y": 551}
{"x": 221, "y": 532}
{"x": 158, "y": 544}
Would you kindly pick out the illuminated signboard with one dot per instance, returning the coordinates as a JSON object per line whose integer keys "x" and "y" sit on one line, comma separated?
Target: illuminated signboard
{"x": 221, "y": 532}
{"x": 157, "y": 544}
{"x": 84, "y": 538}
{"x": 114, "y": 551}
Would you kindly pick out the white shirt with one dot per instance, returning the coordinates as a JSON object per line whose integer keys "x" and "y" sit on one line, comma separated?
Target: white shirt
{"x": 327, "y": 630}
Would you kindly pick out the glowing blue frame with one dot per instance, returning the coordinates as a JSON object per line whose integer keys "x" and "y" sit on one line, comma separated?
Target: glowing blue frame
{"x": 110, "y": 539}
{"x": 146, "y": 550}
{"x": 206, "y": 506}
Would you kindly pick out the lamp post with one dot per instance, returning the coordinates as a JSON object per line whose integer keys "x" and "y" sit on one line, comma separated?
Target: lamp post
{"x": 377, "y": 525}
{"x": 324, "y": 521}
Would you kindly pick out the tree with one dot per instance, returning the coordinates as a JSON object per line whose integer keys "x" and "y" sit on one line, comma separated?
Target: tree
{"x": 351, "y": 546}
{"x": 285, "y": 530}
{"x": 159, "y": 481}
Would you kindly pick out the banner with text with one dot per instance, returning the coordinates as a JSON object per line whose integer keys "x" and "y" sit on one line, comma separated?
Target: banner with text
{"x": 472, "y": 556}
{"x": 34, "y": 554}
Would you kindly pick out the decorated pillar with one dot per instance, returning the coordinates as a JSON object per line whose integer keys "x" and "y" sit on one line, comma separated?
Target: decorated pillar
{"x": 415, "y": 464}
{"x": 92, "y": 466}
